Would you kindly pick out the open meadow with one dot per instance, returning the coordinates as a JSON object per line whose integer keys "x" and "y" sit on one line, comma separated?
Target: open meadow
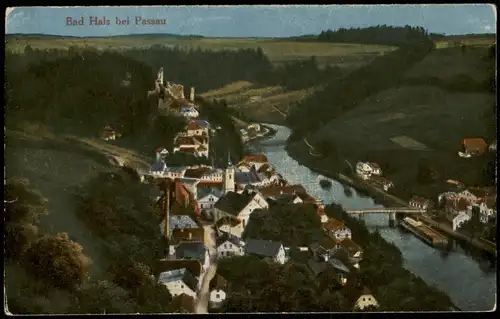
{"x": 278, "y": 50}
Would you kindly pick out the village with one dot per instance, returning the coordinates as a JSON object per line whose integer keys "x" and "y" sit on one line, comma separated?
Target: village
{"x": 450, "y": 209}
{"x": 206, "y": 210}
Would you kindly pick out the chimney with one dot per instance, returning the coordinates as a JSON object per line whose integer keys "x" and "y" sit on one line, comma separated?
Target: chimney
{"x": 191, "y": 95}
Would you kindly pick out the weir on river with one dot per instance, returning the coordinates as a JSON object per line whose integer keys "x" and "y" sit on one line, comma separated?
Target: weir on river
{"x": 470, "y": 286}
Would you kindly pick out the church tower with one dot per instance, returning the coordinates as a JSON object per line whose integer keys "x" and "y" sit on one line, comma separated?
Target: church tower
{"x": 228, "y": 182}
{"x": 160, "y": 75}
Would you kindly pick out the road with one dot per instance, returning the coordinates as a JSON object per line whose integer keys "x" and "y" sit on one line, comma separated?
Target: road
{"x": 203, "y": 294}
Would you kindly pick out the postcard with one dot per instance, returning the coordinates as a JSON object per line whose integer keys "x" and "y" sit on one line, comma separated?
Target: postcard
{"x": 250, "y": 159}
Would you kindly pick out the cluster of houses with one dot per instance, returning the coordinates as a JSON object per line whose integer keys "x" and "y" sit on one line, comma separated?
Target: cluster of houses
{"x": 228, "y": 197}
{"x": 252, "y": 131}
{"x": 460, "y": 206}
{"x": 372, "y": 172}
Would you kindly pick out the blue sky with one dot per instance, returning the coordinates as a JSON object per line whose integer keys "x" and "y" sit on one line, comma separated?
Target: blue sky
{"x": 253, "y": 21}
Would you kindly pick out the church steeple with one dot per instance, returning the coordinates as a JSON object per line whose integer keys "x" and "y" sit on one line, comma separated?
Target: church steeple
{"x": 229, "y": 176}
{"x": 229, "y": 164}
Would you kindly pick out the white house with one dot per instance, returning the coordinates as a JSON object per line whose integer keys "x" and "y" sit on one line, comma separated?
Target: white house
{"x": 189, "y": 111}
{"x": 217, "y": 288}
{"x": 230, "y": 225}
{"x": 337, "y": 229}
{"x": 207, "y": 197}
{"x": 364, "y": 170}
{"x": 486, "y": 209}
{"x": 266, "y": 248}
{"x": 366, "y": 300}
{"x": 468, "y": 195}
{"x": 229, "y": 245}
{"x": 213, "y": 175}
{"x": 175, "y": 172}
{"x": 376, "y": 170}
{"x": 459, "y": 219}
{"x": 179, "y": 281}
{"x": 240, "y": 206}
{"x": 419, "y": 202}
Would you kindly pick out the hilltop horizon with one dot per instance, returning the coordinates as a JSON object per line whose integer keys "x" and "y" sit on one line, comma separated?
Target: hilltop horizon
{"x": 270, "y": 21}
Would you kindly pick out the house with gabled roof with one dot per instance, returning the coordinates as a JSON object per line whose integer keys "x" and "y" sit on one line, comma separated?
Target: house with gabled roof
{"x": 366, "y": 301}
{"x": 193, "y": 265}
{"x": 256, "y": 160}
{"x": 239, "y": 206}
{"x": 182, "y": 303}
{"x": 337, "y": 229}
{"x": 189, "y": 112}
{"x": 325, "y": 248}
{"x": 178, "y": 222}
{"x": 229, "y": 225}
{"x": 218, "y": 288}
{"x": 179, "y": 281}
{"x": 353, "y": 250}
{"x": 206, "y": 199}
{"x": 229, "y": 245}
{"x": 266, "y": 249}
{"x": 193, "y": 250}
{"x": 473, "y": 146}
{"x": 419, "y": 202}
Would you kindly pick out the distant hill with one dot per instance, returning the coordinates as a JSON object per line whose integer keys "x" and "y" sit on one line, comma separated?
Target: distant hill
{"x": 148, "y": 35}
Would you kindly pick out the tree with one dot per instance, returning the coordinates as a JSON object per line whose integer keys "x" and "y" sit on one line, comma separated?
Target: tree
{"x": 426, "y": 174}
{"x": 59, "y": 260}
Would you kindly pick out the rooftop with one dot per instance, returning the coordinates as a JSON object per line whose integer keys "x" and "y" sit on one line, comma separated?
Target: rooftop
{"x": 333, "y": 224}
{"x": 193, "y": 265}
{"x": 179, "y": 274}
{"x": 350, "y": 245}
{"x": 191, "y": 250}
{"x": 233, "y": 203}
{"x": 188, "y": 234}
{"x": 267, "y": 248}
{"x": 257, "y": 158}
{"x": 229, "y": 237}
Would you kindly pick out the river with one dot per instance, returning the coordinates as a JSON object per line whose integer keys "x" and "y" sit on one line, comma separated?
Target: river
{"x": 470, "y": 284}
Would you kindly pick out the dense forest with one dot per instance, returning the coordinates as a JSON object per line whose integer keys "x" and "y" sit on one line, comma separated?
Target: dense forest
{"x": 380, "y": 34}
{"x": 208, "y": 70}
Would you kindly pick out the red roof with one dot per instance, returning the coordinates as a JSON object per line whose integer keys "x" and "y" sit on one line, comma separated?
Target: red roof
{"x": 193, "y": 126}
{"x": 474, "y": 144}
{"x": 332, "y": 224}
{"x": 257, "y": 158}
{"x": 185, "y": 140}
{"x": 159, "y": 149}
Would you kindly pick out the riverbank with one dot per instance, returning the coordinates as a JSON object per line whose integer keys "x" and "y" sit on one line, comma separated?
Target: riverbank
{"x": 269, "y": 133}
{"x": 383, "y": 198}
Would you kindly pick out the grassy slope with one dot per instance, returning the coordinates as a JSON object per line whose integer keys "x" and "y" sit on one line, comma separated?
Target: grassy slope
{"x": 277, "y": 50}
{"x": 430, "y": 115}
{"x": 57, "y": 165}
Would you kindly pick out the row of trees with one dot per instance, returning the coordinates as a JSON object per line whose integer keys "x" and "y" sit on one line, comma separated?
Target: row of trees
{"x": 380, "y": 34}
{"x": 295, "y": 225}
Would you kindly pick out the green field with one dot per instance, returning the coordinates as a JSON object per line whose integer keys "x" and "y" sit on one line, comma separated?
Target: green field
{"x": 276, "y": 49}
